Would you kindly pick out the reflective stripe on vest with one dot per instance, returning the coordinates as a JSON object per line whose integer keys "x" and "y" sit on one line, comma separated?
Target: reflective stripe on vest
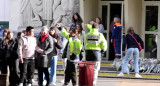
{"x": 93, "y": 39}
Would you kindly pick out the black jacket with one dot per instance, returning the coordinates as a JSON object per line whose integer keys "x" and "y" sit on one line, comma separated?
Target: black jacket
{"x": 9, "y": 51}
{"x": 131, "y": 43}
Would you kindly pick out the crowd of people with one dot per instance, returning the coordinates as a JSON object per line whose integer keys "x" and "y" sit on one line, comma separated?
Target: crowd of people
{"x": 27, "y": 52}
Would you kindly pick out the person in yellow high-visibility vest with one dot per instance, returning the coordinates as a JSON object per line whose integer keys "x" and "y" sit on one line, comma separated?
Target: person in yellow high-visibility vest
{"x": 73, "y": 51}
{"x": 95, "y": 45}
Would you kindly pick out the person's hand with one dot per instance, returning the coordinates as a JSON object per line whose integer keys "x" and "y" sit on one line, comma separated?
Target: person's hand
{"x": 58, "y": 25}
{"x": 55, "y": 40}
{"x": 21, "y": 60}
{"x": 60, "y": 55}
{"x": 85, "y": 25}
{"x": 123, "y": 52}
{"x": 42, "y": 54}
{"x": 111, "y": 40}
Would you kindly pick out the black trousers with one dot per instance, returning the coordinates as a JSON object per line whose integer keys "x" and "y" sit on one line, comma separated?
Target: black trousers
{"x": 13, "y": 69}
{"x": 4, "y": 66}
{"x": 70, "y": 73}
{"x": 40, "y": 75}
{"x": 27, "y": 70}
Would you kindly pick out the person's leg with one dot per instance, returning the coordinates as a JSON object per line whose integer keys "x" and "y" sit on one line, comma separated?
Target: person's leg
{"x": 53, "y": 69}
{"x": 126, "y": 60}
{"x": 15, "y": 70}
{"x": 136, "y": 60}
{"x": 4, "y": 67}
{"x": 96, "y": 69}
{"x": 73, "y": 70}
{"x": 67, "y": 73}
{"x": 46, "y": 72}
{"x": 118, "y": 49}
{"x": 40, "y": 76}
{"x": 31, "y": 69}
{"x": 23, "y": 70}
{"x": 11, "y": 74}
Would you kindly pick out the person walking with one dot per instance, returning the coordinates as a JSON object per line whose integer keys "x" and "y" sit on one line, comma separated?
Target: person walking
{"x": 116, "y": 37}
{"x": 45, "y": 42}
{"x": 57, "y": 44}
{"x": 95, "y": 44}
{"x": 27, "y": 46}
{"x": 73, "y": 52}
{"x": 131, "y": 40}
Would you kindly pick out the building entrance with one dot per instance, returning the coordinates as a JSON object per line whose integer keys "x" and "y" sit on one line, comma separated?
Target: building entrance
{"x": 109, "y": 10}
{"x": 151, "y": 32}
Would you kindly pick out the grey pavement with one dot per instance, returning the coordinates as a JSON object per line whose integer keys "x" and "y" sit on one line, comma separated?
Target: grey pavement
{"x": 112, "y": 82}
{"x": 101, "y": 82}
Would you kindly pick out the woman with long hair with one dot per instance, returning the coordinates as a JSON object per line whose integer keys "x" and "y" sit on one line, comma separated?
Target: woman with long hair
{"x": 10, "y": 57}
{"x": 57, "y": 44}
{"x": 132, "y": 48}
{"x": 5, "y": 32}
{"x": 76, "y": 19}
{"x": 81, "y": 33}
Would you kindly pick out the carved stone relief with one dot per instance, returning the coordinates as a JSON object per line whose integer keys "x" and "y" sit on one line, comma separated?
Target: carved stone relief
{"x": 38, "y": 13}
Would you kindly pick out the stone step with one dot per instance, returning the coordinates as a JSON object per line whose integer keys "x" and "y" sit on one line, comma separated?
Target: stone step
{"x": 107, "y": 70}
{"x": 103, "y": 63}
{"x": 114, "y": 75}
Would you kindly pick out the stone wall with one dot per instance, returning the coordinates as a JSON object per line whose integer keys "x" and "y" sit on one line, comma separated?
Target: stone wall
{"x": 39, "y": 13}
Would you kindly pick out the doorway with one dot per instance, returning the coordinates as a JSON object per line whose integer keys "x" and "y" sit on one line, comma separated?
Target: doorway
{"x": 115, "y": 11}
{"x": 151, "y": 32}
{"x": 109, "y": 10}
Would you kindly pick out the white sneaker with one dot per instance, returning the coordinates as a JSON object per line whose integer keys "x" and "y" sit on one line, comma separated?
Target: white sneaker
{"x": 29, "y": 85}
{"x": 120, "y": 74}
{"x": 44, "y": 82}
{"x": 33, "y": 81}
{"x": 137, "y": 75}
{"x": 62, "y": 81}
{"x": 94, "y": 83}
{"x": 53, "y": 84}
{"x": 21, "y": 84}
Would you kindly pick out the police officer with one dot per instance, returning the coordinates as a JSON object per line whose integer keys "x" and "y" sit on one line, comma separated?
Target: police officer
{"x": 95, "y": 44}
{"x": 116, "y": 37}
{"x": 73, "y": 51}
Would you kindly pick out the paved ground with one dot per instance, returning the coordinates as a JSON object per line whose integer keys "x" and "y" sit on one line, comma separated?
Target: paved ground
{"x": 114, "y": 82}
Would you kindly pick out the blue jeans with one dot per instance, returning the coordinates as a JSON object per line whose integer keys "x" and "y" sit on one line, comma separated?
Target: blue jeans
{"x": 135, "y": 52}
{"x": 53, "y": 69}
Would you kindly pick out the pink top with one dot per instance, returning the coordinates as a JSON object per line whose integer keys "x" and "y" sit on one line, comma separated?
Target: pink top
{"x": 27, "y": 46}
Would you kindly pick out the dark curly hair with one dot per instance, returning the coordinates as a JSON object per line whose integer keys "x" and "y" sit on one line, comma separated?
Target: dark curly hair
{"x": 79, "y": 18}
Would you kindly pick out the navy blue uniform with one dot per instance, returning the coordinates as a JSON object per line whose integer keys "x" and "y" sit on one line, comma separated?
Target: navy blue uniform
{"x": 116, "y": 37}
